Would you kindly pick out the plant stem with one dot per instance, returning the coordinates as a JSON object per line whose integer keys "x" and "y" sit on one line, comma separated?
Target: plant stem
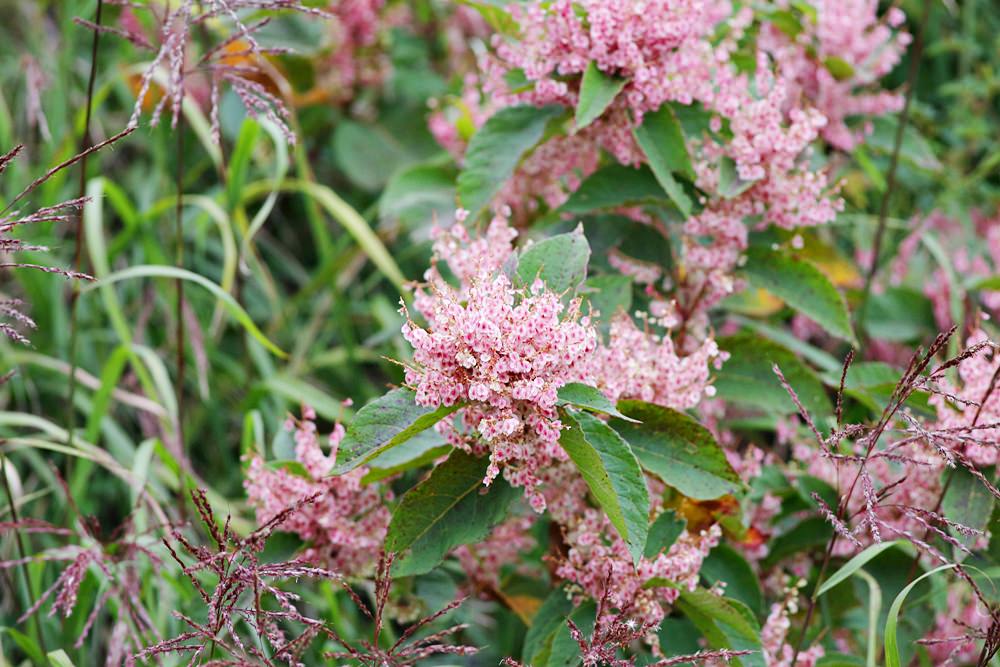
{"x": 883, "y": 213}
{"x": 80, "y": 237}
{"x": 179, "y": 261}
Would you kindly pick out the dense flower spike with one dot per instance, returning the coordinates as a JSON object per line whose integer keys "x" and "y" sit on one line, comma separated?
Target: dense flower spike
{"x": 505, "y": 351}
{"x": 345, "y": 525}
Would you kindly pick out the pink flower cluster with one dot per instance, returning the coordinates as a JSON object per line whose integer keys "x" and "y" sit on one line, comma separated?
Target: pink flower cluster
{"x": 668, "y": 52}
{"x": 640, "y": 364}
{"x": 505, "y": 351}
{"x": 345, "y": 527}
{"x": 777, "y": 652}
{"x": 597, "y": 558}
{"x": 954, "y": 639}
{"x": 838, "y": 58}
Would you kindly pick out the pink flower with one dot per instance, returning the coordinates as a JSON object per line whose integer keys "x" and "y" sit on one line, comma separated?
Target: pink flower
{"x": 346, "y": 526}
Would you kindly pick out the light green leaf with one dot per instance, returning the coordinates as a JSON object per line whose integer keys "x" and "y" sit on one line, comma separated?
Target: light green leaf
{"x": 418, "y": 451}
{"x": 597, "y": 91}
{"x": 383, "y": 424}
{"x": 730, "y": 183}
{"x": 59, "y": 659}
{"x": 495, "y": 150}
{"x": 856, "y": 563}
{"x": 234, "y": 308}
{"x": 892, "y": 621}
{"x": 584, "y": 396}
{"x": 416, "y": 195}
{"x": 559, "y": 261}
{"x": 838, "y": 67}
{"x": 802, "y": 286}
{"x": 662, "y": 141}
{"x": 612, "y": 473}
{"x": 678, "y": 449}
{"x": 725, "y": 623}
{"x": 450, "y": 508}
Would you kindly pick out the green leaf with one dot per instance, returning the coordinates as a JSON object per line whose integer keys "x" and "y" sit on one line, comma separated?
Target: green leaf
{"x": 838, "y": 67}
{"x": 892, "y": 621}
{"x": 612, "y": 473}
{"x": 59, "y": 658}
{"x": 968, "y": 502}
{"x": 416, "y": 195}
{"x": 899, "y": 315}
{"x": 495, "y": 150}
{"x": 234, "y": 308}
{"x": 915, "y": 149}
{"x": 663, "y": 532}
{"x": 725, "y": 623}
{"x": 607, "y": 295}
{"x": 368, "y": 154}
{"x": 730, "y": 183}
{"x": 613, "y": 186}
{"x": 383, "y": 424}
{"x": 584, "y": 396}
{"x": 418, "y": 451}
{"x": 726, "y": 564}
{"x": 559, "y": 261}
{"x": 597, "y": 91}
{"x": 747, "y": 378}
{"x": 239, "y": 161}
{"x": 802, "y": 286}
{"x": 450, "y": 508}
{"x": 549, "y": 618}
{"x": 856, "y": 563}
{"x": 807, "y": 534}
{"x": 662, "y": 141}
{"x": 678, "y": 449}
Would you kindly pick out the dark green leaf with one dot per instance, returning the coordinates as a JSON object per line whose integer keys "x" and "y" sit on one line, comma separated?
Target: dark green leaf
{"x": 899, "y": 315}
{"x": 549, "y": 618}
{"x": 612, "y": 474}
{"x": 968, "y": 501}
{"x": 726, "y": 564}
{"x": 613, "y": 186}
{"x": 678, "y": 449}
{"x": 802, "y": 286}
{"x": 495, "y": 150}
{"x": 450, "y": 508}
{"x": 363, "y": 151}
{"x": 597, "y": 91}
{"x": 663, "y": 532}
{"x": 662, "y": 141}
{"x": 383, "y": 424}
{"x": 747, "y": 378}
{"x": 807, "y": 534}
